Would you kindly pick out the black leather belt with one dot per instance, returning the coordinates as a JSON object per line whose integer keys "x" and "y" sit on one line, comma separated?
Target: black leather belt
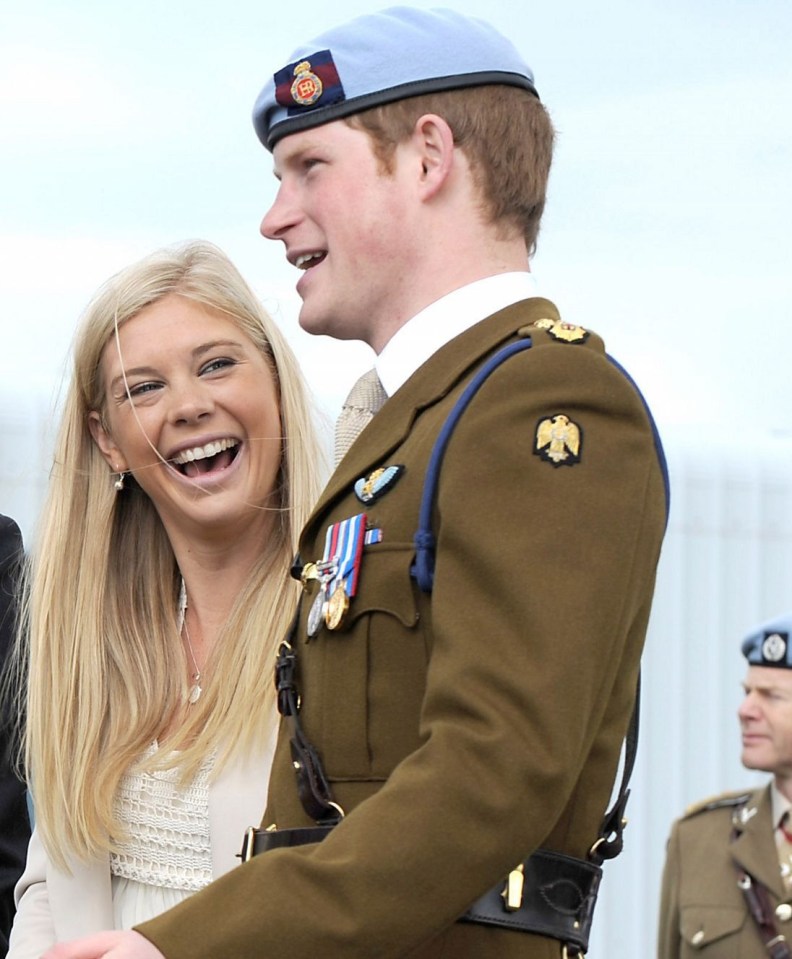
{"x": 550, "y": 894}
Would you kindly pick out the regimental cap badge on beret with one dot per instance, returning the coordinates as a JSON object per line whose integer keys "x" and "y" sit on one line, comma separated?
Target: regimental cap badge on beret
{"x": 768, "y": 644}
{"x": 308, "y": 82}
{"x": 307, "y": 87}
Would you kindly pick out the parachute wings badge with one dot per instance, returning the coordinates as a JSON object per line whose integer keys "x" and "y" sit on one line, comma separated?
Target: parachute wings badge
{"x": 558, "y": 440}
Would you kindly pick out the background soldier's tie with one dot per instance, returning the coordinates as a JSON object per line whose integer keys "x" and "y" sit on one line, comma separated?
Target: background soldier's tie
{"x": 365, "y": 398}
{"x": 784, "y": 844}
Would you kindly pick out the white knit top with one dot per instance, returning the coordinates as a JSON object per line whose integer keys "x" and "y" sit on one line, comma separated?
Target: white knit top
{"x": 166, "y": 854}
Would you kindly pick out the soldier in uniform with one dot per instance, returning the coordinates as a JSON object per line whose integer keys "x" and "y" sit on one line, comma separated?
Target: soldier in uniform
{"x": 727, "y": 882}
{"x": 461, "y": 676}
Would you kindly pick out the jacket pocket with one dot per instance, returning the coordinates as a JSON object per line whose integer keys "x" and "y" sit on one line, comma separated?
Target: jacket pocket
{"x": 374, "y": 670}
{"x": 713, "y": 926}
{"x": 385, "y": 585}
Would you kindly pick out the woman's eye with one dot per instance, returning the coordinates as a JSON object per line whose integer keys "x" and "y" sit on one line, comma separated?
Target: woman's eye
{"x": 140, "y": 389}
{"x": 219, "y": 364}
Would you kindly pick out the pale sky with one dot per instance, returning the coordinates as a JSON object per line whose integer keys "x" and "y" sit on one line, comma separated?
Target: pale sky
{"x": 126, "y": 126}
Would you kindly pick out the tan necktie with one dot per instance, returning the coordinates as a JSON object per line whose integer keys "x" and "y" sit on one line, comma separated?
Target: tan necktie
{"x": 365, "y": 398}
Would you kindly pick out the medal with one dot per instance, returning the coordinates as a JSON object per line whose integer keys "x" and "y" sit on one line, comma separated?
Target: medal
{"x": 316, "y": 613}
{"x": 323, "y": 571}
{"x": 344, "y": 549}
{"x": 336, "y": 607}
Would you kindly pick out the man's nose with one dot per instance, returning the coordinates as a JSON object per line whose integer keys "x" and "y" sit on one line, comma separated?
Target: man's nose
{"x": 281, "y": 215}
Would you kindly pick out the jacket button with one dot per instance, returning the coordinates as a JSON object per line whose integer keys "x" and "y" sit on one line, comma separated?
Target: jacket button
{"x": 698, "y": 937}
{"x": 784, "y": 912}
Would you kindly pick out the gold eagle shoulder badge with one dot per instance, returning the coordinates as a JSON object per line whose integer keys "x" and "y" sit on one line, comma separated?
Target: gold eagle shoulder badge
{"x": 558, "y": 440}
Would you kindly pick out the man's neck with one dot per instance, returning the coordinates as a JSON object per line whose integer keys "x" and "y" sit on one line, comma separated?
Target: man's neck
{"x": 457, "y": 257}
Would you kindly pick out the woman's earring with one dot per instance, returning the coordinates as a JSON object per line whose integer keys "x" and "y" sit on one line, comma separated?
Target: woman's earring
{"x": 119, "y": 483}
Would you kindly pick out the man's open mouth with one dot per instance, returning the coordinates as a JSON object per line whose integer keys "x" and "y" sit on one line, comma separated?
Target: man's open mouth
{"x": 307, "y": 260}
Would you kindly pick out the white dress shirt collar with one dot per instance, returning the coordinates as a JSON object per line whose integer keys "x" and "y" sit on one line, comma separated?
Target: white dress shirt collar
{"x": 780, "y": 804}
{"x": 437, "y": 324}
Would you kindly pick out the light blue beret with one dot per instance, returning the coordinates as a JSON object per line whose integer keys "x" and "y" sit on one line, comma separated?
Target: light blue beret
{"x": 377, "y": 58}
{"x": 768, "y": 644}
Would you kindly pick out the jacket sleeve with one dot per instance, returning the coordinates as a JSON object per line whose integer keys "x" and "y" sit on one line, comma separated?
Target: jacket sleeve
{"x": 33, "y": 931}
{"x": 542, "y": 588}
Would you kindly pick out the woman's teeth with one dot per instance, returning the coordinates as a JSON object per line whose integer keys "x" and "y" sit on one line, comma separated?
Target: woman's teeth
{"x": 202, "y": 452}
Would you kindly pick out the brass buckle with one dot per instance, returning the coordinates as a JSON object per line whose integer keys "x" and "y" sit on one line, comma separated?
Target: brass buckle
{"x": 513, "y": 890}
{"x": 248, "y": 844}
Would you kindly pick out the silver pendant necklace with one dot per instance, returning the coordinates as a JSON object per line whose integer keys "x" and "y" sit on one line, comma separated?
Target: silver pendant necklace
{"x": 195, "y": 691}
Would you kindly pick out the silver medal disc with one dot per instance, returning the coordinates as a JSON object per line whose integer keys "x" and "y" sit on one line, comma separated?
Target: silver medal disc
{"x": 316, "y": 614}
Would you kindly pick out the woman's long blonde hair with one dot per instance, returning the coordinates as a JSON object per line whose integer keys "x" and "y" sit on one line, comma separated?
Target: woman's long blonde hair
{"x": 105, "y": 666}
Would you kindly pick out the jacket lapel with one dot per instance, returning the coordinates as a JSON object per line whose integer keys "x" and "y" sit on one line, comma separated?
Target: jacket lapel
{"x": 754, "y": 849}
{"x": 430, "y": 383}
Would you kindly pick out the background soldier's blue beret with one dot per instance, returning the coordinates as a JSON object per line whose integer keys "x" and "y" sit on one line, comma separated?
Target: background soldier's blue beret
{"x": 768, "y": 644}
{"x": 381, "y": 57}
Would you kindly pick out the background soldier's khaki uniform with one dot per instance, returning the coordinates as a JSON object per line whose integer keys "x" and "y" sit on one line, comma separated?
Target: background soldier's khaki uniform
{"x": 702, "y": 912}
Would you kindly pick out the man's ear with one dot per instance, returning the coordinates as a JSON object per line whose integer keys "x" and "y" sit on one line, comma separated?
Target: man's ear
{"x": 103, "y": 439}
{"x": 434, "y": 140}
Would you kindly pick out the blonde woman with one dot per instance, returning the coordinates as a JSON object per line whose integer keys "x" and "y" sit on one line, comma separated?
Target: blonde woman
{"x": 185, "y": 466}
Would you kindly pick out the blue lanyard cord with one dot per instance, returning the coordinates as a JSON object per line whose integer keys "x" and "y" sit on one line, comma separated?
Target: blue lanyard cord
{"x": 423, "y": 569}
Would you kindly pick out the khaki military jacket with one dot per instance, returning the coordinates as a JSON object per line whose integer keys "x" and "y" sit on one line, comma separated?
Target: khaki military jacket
{"x": 702, "y": 912}
{"x": 464, "y": 728}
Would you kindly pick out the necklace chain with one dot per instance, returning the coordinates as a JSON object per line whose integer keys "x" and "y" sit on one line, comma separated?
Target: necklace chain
{"x": 195, "y": 690}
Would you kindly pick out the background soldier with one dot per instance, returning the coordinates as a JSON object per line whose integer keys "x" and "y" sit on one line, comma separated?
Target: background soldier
{"x": 727, "y": 883}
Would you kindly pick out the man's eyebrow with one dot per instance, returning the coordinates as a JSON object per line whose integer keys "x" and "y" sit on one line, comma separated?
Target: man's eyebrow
{"x": 765, "y": 688}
